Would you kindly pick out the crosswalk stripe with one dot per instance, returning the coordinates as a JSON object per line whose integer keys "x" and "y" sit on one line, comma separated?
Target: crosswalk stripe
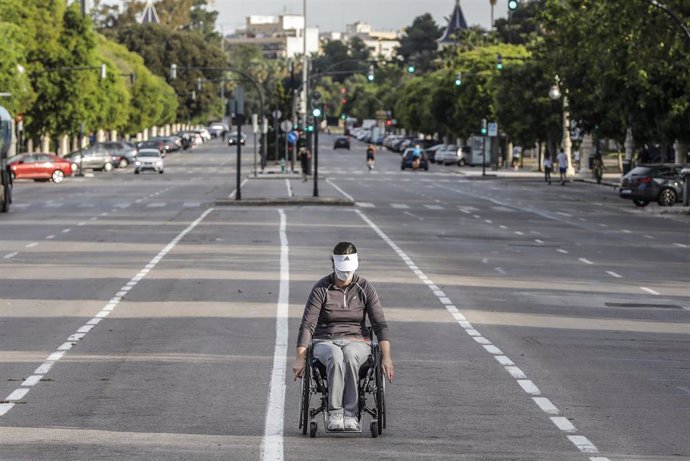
{"x": 400, "y": 206}
{"x": 365, "y": 205}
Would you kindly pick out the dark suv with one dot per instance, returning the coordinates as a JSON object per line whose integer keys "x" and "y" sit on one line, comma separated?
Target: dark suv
{"x": 661, "y": 183}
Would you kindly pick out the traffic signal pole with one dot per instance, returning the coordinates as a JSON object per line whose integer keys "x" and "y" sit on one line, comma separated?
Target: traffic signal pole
{"x": 316, "y": 156}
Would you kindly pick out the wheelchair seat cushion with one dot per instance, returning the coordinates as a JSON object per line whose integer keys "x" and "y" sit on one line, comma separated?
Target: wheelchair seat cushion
{"x": 362, "y": 370}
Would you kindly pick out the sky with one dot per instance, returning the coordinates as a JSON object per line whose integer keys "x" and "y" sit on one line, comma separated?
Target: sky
{"x": 333, "y": 15}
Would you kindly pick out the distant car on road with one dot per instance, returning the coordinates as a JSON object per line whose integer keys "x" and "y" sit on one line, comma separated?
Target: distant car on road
{"x": 149, "y": 159}
{"x": 95, "y": 157}
{"x": 123, "y": 153}
{"x": 661, "y": 183}
{"x": 341, "y": 142}
{"x": 232, "y": 139}
{"x": 39, "y": 167}
{"x": 406, "y": 161}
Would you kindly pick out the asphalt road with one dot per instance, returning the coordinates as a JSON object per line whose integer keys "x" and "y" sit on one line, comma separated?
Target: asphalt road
{"x": 529, "y": 322}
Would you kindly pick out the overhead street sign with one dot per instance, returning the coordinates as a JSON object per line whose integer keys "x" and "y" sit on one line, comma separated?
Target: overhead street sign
{"x": 286, "y": 125}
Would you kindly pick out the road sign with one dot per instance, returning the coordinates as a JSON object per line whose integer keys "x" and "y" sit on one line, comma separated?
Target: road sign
{"x": 292, "y": 137}
{"x": 239, "y": 100}
{"x": 286, "y": 125}
{"x": 277, "y": 114}
{"x": 255, "y": 123}
{"x": 493, "y": 129}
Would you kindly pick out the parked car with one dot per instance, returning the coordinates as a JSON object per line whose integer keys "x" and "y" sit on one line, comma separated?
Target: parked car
{"x": 232, "y": 139}
{"x": 152, "y": 144}
{"x": 661, "y": 183}
{"x": 149, "y": 159}
{"x": 452, "y": 155}
{"x": 39, "y": 167}
{"x": 170, "y": 143}
{"x": 431, "y": 152}
{"x": 95, "y": 157}
{"x": 217, "y": 129}
{"x": 341, "y": 141}
{"x": 406, "y": 161}
{"x": 123, "y": 153}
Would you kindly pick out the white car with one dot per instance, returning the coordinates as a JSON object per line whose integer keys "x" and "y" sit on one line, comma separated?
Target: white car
{"x": 451, "y": 155}
{"x": 148, "y": 159}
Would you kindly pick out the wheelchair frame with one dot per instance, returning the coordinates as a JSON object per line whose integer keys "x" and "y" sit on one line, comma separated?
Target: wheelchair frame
{"x": 372, "y": 383}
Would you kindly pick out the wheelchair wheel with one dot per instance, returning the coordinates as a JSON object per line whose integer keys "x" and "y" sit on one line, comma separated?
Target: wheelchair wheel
{"x": 380, "y": 398}
{"x": 304, "y": 407}
{"x": 313, "y": 427}
{"x": 374, "y": 429}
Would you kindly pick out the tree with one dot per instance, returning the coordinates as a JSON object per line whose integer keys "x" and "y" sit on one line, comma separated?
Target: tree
{"x": 418, "y": 46}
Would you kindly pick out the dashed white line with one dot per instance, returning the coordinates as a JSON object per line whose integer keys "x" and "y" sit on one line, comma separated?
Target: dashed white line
{"x": 10, "y": 255}
{"x": 546, "y": 405}
{"x": 626, "y": 231}
{"x": 529, "y": 387}
{"x": 561, "y": 250}
{"x": 583, "y": 444}
{"x": 650, "y": 237}
{"x": 650, "y": 291}
{"x": 563, "y": 424}
{"x": 31, "y": 245}
{"x": 400, "y": 206}
{"x": 519, "y": 233}
{"x": 64, "y": 231}
{"x": 614, "y": 274}
{"x": 585, "y": 260}
{"x": 50, "y": 237}
{"x": 503, "y": 227}
{"x": 500, "y": 270}
{"x": 365, "y": 205}
{"x": 539, "y": 241}
{"x": 680, "y": 245}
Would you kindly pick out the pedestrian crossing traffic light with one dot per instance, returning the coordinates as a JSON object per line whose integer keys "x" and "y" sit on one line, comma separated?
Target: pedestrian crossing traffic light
{"x": 499, "y": 61}
{"x": 484, "y": 130}
{"x": 371, "y": 76}
{"x": 513, "y": 4}
{"x": 411, "y": 69}
{"x": 458, "y": 79}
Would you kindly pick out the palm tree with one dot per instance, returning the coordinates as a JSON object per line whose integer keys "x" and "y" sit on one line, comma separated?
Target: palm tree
{"x": 493, "y": 4}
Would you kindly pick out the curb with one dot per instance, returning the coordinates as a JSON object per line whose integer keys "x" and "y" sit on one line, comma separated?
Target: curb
{"x": 295, "y": 201}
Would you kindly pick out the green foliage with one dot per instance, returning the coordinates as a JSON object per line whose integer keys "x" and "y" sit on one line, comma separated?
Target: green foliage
{"x": 418, "y": 46}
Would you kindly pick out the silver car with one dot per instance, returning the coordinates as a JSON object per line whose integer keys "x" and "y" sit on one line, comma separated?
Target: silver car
{"x": 148, "y": 159}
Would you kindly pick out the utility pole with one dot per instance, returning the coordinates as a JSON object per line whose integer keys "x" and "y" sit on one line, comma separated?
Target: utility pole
{"x": 305, "y": 67}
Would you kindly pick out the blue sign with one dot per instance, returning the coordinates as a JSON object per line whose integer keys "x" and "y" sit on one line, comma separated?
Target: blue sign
{"x": 292, "y": 137}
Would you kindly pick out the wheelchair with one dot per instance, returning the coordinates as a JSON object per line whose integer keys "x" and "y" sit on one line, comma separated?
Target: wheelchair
{"x": 371, "y": 384}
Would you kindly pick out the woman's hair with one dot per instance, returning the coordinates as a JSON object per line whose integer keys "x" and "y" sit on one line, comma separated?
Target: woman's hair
{"x": 344, "y": 248}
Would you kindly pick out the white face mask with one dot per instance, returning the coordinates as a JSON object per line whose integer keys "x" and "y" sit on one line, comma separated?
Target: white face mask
{"x": 344, "y": 275}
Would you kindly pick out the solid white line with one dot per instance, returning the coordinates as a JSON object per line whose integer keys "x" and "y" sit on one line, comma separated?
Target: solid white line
{"x": 546, "y": 405}
{"x": 585, "y": 260}
{"x": 614, "y": 274}
{"x": 342, "y": 192}
{"x": 272, "y": 447}
{"x": 583, "y": 444}
{"x": 289, "y": 188}
{"x": 563, "y": 424}
{"x": 10, "y": 255}
{"x": 650, "y": 291}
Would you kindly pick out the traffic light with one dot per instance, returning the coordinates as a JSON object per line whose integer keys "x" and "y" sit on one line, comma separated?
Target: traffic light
{"x": 389, "y": 122}
{"x": 499, "y": 61}
{"x": 458, "y": 79}
{"x": 343, "y": 116}
{"x": 411, "y": 69}
{"x": 484, "y": 131}
{"x": 316, "y": 112}
{"x": 371, "y": 73}
{"x": 513, "y": 4}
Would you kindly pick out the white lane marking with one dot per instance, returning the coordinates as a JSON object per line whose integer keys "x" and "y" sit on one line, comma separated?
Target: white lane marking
{"x": 599, "y": 458}
{"x": 50, "y": 237}
{"x": 463, "y": 211}
{"x": 289, "y": 188}
{"x": 680, "y": 245}
{"x": 500, "y": 271}
{"x": 81, "y": 224}
{"x": 365, "y": 205}
{"x": 564, "y": 214}
{"x": 44, "y": 368}
{"x": 476, "y": 216}
{"x": 527, "y": 385}
{"x": 485, "y": 260}
{"x": 583, "y": 444}
{"x": 414, "y": 215}
{"x": 400, "y": 206}
{"x": 519, "y": 233}
{"x": 539, "y": 241}
{"x": 64, "y": 231}
{"x": 614, "y": 274}
{"x": 546, "y": 405}
{"x": 191, "y": 204}
{"x": 650, "y": 237}
{"x": 503, "y": 227}
{"x": 563, "y": 424}
{"x": 650, "y": 291}
{"x": 232, "y": 194}
{"x": 488, "y": 221}
{"x": 561, "y": 250}
{"x": 10, "y": 255}
{"x": 585, "y": 260}
{"x": 342, "y": 192}
{"x": 31, "y": 245}
{"x": 626, "y": 231}
{"x": 434, "y": 207}
{"x": 156, "y": 205}
{"x": 604, "y": 225}
{"x": 272, "y": 446}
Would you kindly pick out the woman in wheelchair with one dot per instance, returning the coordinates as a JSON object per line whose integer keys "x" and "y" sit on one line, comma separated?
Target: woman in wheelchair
{"x": 334, "y": 325}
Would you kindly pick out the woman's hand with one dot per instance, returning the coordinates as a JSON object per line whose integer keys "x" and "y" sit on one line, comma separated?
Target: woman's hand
{"x": 298, "y": 368}
{"x": 388, "y": 368}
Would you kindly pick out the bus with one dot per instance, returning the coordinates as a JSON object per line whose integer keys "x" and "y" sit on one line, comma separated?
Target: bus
{"x": 5, "y": 144}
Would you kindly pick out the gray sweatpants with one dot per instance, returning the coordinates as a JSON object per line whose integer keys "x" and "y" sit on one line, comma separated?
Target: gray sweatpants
{"x": 343, "y": 359}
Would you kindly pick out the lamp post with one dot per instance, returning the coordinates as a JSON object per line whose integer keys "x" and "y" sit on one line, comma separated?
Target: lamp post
{"x": 555, "y": 95}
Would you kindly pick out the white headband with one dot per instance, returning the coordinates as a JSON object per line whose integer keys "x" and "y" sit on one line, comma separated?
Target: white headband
{"x": 346, "y": 263}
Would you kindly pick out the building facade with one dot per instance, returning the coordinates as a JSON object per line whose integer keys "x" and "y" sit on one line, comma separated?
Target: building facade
{"x": 279, "y": 37}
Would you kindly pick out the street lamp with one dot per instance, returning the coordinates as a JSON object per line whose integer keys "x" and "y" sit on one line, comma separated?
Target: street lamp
{"x": 555, "y": 95}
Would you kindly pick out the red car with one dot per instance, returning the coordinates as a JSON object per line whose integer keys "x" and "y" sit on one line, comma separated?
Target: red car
{"x": 40, "y": 167}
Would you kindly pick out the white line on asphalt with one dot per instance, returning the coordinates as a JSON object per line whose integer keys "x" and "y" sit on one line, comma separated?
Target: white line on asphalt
{"x": 581, "y": 442}
{"x": 503, "y": 227}
{"x": 650, "y": 291}
{"x": 344, "y": 194}
{"x": 10, "y": 255}
{"x": 289, "y": 188}
{"x": 476, "y": 216}
{"x": 434, "y": 207}
{"x": 365, "y": 205}
{"x": 604, "y": 225}
{"x": 50, "y": 237}
{"x": 519, "y": 233}
{"x": 561, "y": 250}
{"x": 539, "y": 241}
{"x": 680, "y": 245}
{"x": 650, "y": 237}
{"x": 599, "y": 458}
{"x": 400, "y": 206}
{"x": 500, "y": 271}
{"x": 44, "y": 368}
{"x": 64, "y": 231}
{"x": 546, "y": 405}
{"x": 626, "y": 231}
{"x": 485, "y": 260}
{"x": 31, "y": 245}
{"x": 488, "y": 221}
{"x": 585, "y": 260}
{"x": 614, "y": 274}
{"x": 272, "y": 447}
{"x": 232, "y": 194}
{"x": 414, "y": 215}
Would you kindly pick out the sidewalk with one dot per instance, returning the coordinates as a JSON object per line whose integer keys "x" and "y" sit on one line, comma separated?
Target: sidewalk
{"x": 273, "y": 188}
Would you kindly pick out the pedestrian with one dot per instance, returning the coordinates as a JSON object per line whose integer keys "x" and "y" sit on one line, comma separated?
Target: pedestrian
{"x": 598, "y": 168}
{"x": 371, "y": 157}
{"x": 304, "y": 158}
{"x": 562, "y": 160}
{"x": 548, "y": 167}
{"x": 416, "y": 157}
{"x": 334, "y": 322}
{"x": 516, "y": 157}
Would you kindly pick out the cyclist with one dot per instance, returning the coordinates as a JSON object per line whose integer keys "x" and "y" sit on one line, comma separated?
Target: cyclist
{"x": 371, "y": 156}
